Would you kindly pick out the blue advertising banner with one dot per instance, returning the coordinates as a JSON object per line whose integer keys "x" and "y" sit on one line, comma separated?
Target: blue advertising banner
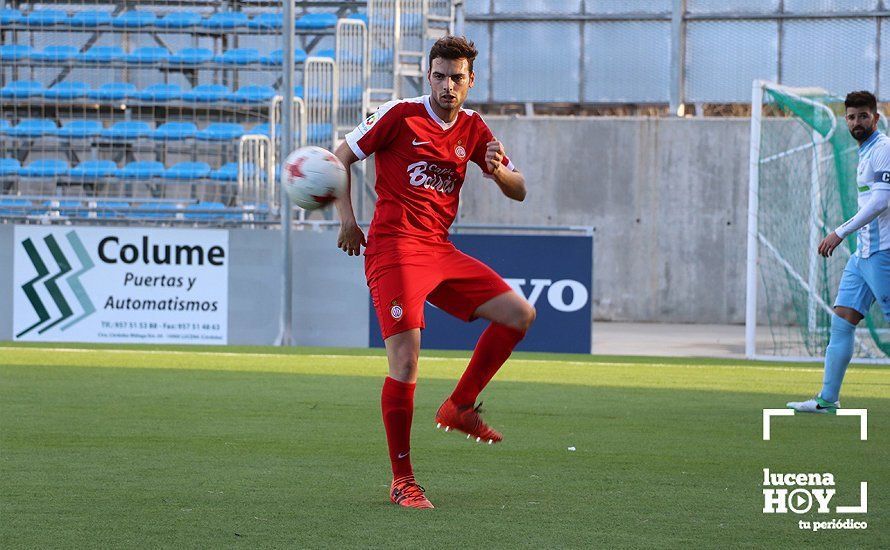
{"x": 554, "y": 273}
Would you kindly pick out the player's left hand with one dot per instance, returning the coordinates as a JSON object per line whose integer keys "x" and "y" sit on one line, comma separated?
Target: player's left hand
{"x": 829, "y": 243}
{"x": 494, "y": 156}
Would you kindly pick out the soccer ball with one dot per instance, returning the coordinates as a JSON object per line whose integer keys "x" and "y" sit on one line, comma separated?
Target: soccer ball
{"x": 313, "y": 177}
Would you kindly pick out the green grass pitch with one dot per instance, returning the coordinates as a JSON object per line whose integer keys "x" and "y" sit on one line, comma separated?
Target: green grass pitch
{"x": 257, "y": 447}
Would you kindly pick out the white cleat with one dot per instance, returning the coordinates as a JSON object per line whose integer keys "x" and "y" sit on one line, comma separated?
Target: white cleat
{"x": 438, "y": 425}
{"x": 447, "y": 428}
{"x": 815, "y": 405}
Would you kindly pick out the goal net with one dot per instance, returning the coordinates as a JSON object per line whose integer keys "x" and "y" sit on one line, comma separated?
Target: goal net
{"x": 802, "y": 185}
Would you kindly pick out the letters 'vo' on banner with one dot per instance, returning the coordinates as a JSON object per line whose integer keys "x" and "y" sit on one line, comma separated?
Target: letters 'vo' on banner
{"x": 554, "y": 273}
{"x": 113, "y": 284}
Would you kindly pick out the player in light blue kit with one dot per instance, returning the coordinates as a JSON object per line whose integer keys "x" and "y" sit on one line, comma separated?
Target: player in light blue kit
{"x": 867, "y": 275}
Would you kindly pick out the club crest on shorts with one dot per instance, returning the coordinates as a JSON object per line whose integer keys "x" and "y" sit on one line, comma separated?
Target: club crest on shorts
{"x": 396, "y": 311}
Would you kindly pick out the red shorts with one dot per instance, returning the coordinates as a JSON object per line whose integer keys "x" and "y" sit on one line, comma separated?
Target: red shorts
{"x": 400, "y": 283}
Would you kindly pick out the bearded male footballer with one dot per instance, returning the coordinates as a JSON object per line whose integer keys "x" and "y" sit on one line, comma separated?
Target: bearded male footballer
{"x": 866, "y": 277}
{"x": 422, "y": 147}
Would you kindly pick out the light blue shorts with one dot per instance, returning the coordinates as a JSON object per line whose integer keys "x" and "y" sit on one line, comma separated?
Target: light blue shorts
{"x": 864, "y": 281}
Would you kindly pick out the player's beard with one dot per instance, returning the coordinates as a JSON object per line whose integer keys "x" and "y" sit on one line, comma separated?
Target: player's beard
{"x": 861, "y": 133}
{"x": 447, "y": 107}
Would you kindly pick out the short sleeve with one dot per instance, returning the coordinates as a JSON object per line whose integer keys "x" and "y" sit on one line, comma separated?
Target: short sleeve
{"x": 880, "y": 163}
{"x": 478, "y": 155}
{"x": 376, "y": 132}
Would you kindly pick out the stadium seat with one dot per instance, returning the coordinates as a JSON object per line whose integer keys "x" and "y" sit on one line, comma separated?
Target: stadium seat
{"x": 206, "y": 93}
{"x": 142, "y": 169}
{"x": 127, "y": 130}
{"x": 33, "y": 128}
{"x": 221, "y": 131}
{"x": 147, "y": 55}
{"x": 93, "y": 169}
{"x": 351, "y": 95}
{"x": 65, "y": 208}
{"x": 381, "y": 56}
{"x": 46, "y": 168}
{"x": 264, "y": 129}
{"x": 10, "y": 16}
{"x": 55, "y": 54}
{"x": 359, "y": 17}
{"x": 266, "y": 21}
{"x": 252, "y": 94}
{"x": 190, "y": 56}
{"x": 67, "y": 90}
{"x": 179, "y": 20}
{"x": 225, "y": 20}
{"x": 159, "y": 92}
{"x": 203, "y": 206}
{"x": 15, "y": 207}
{"x": 22, "y": 88}
{"x": 298, "y": 91}
{"x": 276, "y": 57}
{"x": 15, "y": 52}
{"x": 45, "y": 18}
{"x": 134, "y": 19}
{"x": 4, "y": 125}
{"x": 175, "y": 131}
{"x": 9, "y": 167}
{"x": 229, "y": 171}
{"x": 317, "y": 21}
{"x": 319, "y": 132}
{"x": 238, "y": 56}
{"x": 327, "y": 52}
{"x": 111, "y": 209}
{"x": 187, "y": 170}
{"x": 112, "y": 91}
{"x": 88, "y": 19}
{"x": 154, "y": 210}
{"x": 102, "y": 54}
{"x": 80, "y": 129}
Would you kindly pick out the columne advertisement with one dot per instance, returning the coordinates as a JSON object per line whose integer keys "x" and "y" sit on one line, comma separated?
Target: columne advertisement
{"x": 117, "y": 284}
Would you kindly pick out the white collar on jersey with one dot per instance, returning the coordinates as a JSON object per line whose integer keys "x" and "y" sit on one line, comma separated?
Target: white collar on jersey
{"x": 434, "y": 116}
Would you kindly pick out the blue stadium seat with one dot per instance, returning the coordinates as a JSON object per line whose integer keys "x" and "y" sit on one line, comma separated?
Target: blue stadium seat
{"x": 159, "y": 92}
{"x": 112, "y": 91}
{"x": 55, "y": 54}
{"x": 266, "y": 21}
{"x": 14, "y": 207}
{"x": 221, "y": 131}
{"x": 89, "y": 19}
{"x": 134, "y": 19}
{"x": 4, "y": 125}
{"x": 298, "y": 91}
{"x": 22, "y": 88}
{"x": 34, "y": 128}
{"x": 111, "y": 209}
{"x": 175, "y": 131}
{"x": 229, "y": 171}
{"x": 190, "y": 213}
{"x": 276, "y": 57}
{"x": 67, "y": 90}
{"x": 317, "y": 21}
{"x": 127, "y": 130}
{"x": 9, "y": 167}
{"x": 142, "y": 169}
{"x": 102, "y": 54}
{"x": 187, "y": 171}
{"x": 15, "y": 52}
{"x": 150, "y": 210}
{"x": 327, "y": 52}
{"x": 351, "y": 95}
{"x": 147, "y": 55}
{"x": 359, "y": 16}
{"x": 265, "y": 129}
{"x": 80, "y": 129}
{"x": 65, "y": 208}
{"x": 252, "y": 94}
{"x": 190, "y": 56}
{"x": 179, "y": 20}
{"x": 315, "y": 93}
{"x": 381, "y": 56}
{"x": 93, "y": 169}
{"x": 46, "y": 168}
{"x": 206, "y": 93}
{"x": 319, "y": 132}
{"x": 225, "y": 20}
{"x": 45, "y": 18}
{"x": 10, "y": 16}
{"x": 238, "y": 56}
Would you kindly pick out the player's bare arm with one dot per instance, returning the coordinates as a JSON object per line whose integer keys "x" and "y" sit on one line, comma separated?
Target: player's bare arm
{"x": 351, "y": 237}
{"x": 511, "y": 182}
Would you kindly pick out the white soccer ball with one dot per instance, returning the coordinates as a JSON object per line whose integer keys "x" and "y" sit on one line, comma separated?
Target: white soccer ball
{"x": 313, "y": 177}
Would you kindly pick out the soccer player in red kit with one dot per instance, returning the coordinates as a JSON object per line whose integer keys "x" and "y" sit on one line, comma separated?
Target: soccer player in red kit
{"x": 422, "y": 148}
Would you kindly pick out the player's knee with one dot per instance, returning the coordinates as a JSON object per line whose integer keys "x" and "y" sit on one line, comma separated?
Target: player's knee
{"x": 525, "y": 317}
{"x": 403, "y": 366}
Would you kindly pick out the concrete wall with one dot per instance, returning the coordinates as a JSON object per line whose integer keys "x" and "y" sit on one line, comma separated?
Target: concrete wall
{"x": 667, "y": 197}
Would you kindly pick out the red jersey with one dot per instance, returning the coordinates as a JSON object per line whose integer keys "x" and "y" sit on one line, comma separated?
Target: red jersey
{"x": 421, "y": 162}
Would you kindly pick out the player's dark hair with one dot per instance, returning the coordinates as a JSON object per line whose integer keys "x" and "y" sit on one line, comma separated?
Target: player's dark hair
{"x": 862, "y": 98}
{"x": 454, "y": 47}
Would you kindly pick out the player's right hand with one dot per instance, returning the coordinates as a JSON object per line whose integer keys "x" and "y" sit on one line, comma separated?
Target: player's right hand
{"x": 351, "y": 239}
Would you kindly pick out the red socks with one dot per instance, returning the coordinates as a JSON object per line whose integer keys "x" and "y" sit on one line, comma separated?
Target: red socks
{"x": 492, "y": 350}
{"x": 397, "y": 402}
